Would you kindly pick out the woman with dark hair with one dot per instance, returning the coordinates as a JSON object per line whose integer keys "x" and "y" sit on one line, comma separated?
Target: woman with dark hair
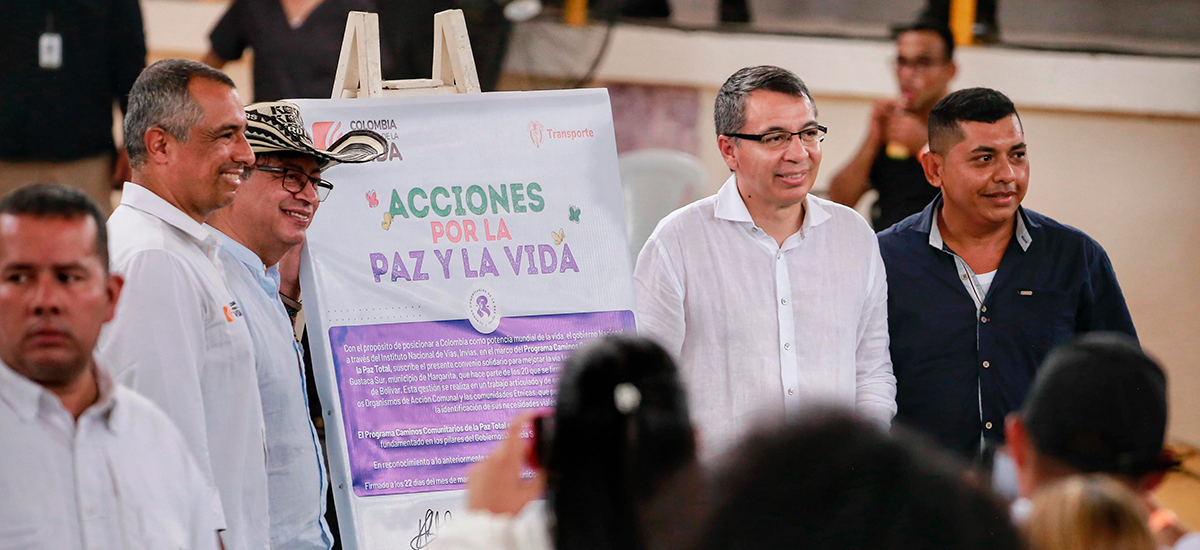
{"x": 621, "y": 433}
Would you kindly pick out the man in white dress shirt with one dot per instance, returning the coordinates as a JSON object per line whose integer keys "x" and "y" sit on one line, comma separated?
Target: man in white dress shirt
{"x": 179, "y": 337}
{"x": 772, "y": 299}
{"x": 268, "y": 219}
{"x": 83, "y": 463}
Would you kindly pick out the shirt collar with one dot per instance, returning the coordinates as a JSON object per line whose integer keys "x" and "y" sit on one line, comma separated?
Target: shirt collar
{"x": 267, "y": 277}
{"x": 730, "y": 206}
{"x": 935, "y": 235}
{"x": 140, "y": 198}
{"x": 26, "y": 397}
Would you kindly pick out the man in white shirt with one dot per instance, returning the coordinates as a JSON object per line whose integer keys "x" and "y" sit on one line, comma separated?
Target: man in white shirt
{"x": 1098, "y": 405}
{"x": 83, "y": 463}
{"x": 772, "y": 299}
{"x": 179, "y": 337}
{"x": 268, "y": 218}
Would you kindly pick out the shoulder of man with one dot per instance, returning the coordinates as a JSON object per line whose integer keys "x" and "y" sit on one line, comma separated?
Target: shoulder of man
{"x": 1060, "y": 235}
{"x": 679, "y": 223}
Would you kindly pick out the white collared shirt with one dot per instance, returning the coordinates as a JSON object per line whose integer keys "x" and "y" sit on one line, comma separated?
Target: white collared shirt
{"x": 762, "y": 331}
{"x": 180, "y": 339}
{"x": 295, "y": 469}
{"x": 120, "y": 477}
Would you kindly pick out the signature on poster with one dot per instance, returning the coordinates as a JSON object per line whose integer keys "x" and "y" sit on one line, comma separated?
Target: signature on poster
{"x": 427, "y": 528}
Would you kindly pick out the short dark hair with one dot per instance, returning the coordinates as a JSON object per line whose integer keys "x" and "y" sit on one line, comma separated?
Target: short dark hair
{"x": 942, "y": 31}
{"x": 160, "y": 98}
{"x": 970, "y": 105}
{"x": 607, "y": 463}
{"x": 729, "y": 111}
{"x": 832, "y": 481}
{"x": 53, "y": 200}
{"x": 1099, "y": 404}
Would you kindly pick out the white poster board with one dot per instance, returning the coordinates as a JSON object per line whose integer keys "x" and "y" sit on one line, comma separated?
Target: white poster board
{"x": 444, "y": 283}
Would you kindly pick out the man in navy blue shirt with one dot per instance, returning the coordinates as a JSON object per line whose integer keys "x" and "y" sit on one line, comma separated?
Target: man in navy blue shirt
{"x": 980, "y": 289}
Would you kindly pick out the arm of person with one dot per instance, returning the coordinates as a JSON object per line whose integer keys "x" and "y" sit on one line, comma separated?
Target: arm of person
{"x": 875, "y": 397}
{"x": 228, "y": 38}
{"x": 496, "y": 497}
{"x": 155, "y": 345}
{"x": 853, "y": 181}
{"x": 1103, "y": 306}
{"x": 659, "y": 293}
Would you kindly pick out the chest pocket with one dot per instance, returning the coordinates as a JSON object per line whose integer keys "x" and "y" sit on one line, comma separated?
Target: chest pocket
{"x": 1045, "y": 317}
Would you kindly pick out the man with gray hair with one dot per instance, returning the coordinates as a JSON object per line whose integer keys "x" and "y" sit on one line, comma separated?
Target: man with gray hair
{"x": 773, "y": 300}
{"x": 179, "y": 337}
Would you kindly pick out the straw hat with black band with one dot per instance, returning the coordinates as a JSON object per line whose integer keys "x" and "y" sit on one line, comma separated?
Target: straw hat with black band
{"x": 276, "y": 127}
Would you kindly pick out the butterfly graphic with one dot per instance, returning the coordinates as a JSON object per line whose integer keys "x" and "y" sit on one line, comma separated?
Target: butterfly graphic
{"x": 573, "y": 213}
{"x": 372, "y": 201}
{"x": 558, "y": 236}
{"x": 387, "y": 221}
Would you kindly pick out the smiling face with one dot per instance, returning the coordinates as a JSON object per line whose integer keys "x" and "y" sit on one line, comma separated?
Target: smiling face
{"x": 265, "y": 217}
{"x": 776, "y": 178}
{"x": 984, "y": 176}
{"x": 54, "y": 296}
{"x": 208, "y": 166}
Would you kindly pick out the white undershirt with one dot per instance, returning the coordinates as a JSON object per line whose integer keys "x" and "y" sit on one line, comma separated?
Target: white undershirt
{"x": 985, "y": 280}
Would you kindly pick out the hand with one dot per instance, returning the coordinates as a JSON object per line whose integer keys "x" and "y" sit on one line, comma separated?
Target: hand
{"x": 495, "y": 485}
{"x": 881, "y": 115}
{"x": 908, "y": 130}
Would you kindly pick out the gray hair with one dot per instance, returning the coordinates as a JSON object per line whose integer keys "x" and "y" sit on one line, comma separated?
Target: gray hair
{"x": 729, "y": 113}
{"x": 160, "y": 98}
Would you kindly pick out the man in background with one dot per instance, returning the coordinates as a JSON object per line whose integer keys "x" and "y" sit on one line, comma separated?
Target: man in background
{"x": 887, "y": 160}
{"x": 84, "y": 463}
{"x": 64, "y": 65}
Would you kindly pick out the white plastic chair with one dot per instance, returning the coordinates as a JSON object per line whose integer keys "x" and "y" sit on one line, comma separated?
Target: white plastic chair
{"x": 656, "y": 182}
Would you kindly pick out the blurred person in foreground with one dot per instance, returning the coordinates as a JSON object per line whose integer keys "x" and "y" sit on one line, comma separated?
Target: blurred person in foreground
{"x": 834, "y": 482}
{"x": 771, "y": 298}
{"x": 1099, "y": 405}
{"x": 84, "y": 463}
{"x": 1091, "y": 512}
{"x": 268, "y": 219}
{"x": 179, "y": 336}
{"x": 621, "y": 437}
{"x": 981, "y": 288}
{"x": 66, "y": 65}
{"x": 887, "y": 160}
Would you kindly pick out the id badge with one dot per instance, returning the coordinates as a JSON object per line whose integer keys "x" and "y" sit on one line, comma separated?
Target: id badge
{"x": 50, "y": 51}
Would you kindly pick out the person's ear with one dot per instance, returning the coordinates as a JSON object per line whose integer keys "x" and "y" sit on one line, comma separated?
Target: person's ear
{"x": 728, "y": 149}
{"x": 115, "y": 284}
{"x": 157, "y": 142}
{"x": 932, "y": 163}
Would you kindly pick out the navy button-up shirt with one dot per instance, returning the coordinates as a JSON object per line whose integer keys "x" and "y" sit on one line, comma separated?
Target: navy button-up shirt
{"x": 964, "y": 359}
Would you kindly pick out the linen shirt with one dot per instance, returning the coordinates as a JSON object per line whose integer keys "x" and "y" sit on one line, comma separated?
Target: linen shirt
{"x": 180, "y": 339}
{"x": 965, "y": 358}
{"x": 762, "y": 330}
{"x": 119, "y": 477}
{"x": 295, "y": 469}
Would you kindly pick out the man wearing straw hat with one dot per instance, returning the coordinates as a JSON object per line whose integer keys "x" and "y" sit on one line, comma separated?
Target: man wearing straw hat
{"x": 268, "y": 219}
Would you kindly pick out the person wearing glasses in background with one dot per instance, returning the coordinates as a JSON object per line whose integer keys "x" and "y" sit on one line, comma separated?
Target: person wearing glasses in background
{"x": 268, "y": 218}
{"x": 771, "y": 298}
{"x": 887, "y": 160}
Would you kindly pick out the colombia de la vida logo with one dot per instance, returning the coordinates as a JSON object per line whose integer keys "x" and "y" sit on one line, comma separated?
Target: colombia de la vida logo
{"x": 326, "y": 133}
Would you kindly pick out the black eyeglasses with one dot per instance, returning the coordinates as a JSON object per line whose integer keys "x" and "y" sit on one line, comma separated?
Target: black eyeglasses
{"x": 294, "y": 180}
{"x": 780, "y": 139}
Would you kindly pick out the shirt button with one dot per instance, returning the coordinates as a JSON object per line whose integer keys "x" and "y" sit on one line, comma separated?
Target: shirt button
{"x": 791, "y": 391}
{"x": 787, "y": 346}
{"x": 964, "y": 276}
{"x": 986, "y": 364}
{"x": 988, "y": 425}
{"x": 983, "y": 319}
{"x": 783, "y": 301}
{"x": 754, "y": 229}
{"x": 983, "y": 309}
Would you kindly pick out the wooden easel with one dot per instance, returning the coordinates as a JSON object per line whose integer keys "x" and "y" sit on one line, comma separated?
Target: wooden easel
{"x": 359, "y": 74}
